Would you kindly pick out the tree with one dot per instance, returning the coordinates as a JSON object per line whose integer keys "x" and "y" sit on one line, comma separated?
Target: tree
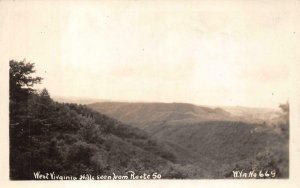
{"x": 45, "y": 96}
{"x": 45, "y": 103}
{"x": 285, "y": 116}
{"x": 20, "y": 79}
{"x": 21, "y": 84}
{"x": 285, "y": 108}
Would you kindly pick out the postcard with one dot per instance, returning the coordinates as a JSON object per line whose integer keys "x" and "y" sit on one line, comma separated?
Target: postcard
{"x": 150, "y": 93}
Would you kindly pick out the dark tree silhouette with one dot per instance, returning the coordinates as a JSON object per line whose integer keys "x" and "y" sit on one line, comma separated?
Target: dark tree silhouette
{"x": 70, "y": 139}
{"x": 21, "y": 80}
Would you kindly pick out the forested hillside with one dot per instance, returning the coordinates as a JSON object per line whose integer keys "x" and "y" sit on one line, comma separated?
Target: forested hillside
{"x": 175, "y": 140}
{"x": 247, "y": 138}
{"x": 70, "y": 139}
{"x": 145, "y": 115}
{"x": 149, "y": 114}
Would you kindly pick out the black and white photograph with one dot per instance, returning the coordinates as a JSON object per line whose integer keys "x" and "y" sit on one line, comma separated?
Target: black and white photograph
{"x": 150, "y": 90}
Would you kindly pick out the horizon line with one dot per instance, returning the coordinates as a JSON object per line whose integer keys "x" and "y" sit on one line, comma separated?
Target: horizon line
{"x": 98, "y": 100}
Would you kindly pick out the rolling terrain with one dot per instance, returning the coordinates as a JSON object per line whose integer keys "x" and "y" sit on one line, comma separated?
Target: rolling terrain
{"x": 176, "y": 140}
{"x": 67, "y": 138}
{"x": 144, "y": 115}
{"x": 149, "y": 114}
{"x": 215, "y": 138}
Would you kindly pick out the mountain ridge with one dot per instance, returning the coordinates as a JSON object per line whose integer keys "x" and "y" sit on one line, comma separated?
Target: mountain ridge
{"x": 181, "y": 113}
{"x": 226, "y": 140}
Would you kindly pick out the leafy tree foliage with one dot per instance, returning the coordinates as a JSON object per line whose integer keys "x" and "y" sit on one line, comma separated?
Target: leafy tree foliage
{"x": 70, "y": 139}
{"x": 21, "y": 80}
{"x": 285, "y": 108}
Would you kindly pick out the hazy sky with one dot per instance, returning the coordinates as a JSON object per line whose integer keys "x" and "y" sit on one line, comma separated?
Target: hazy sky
{"x": 221, "y": 53}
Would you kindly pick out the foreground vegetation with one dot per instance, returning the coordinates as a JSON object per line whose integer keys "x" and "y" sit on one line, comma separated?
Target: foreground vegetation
{"x": 70, "y": 139}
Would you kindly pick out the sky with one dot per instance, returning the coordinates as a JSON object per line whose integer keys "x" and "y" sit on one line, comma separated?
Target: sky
{"x": 223, "y": 53}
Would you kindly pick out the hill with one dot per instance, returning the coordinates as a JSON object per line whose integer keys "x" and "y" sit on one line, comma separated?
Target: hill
{"x": 78, "y": 100}
{"x": 176, "y": 140}
{"x": 72, "y": 139}
{"x": 254, "y": 115}
{"x": 145, "y": 114}
{"x": 149, "y": 114}
{"x": 240, "y": 138}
